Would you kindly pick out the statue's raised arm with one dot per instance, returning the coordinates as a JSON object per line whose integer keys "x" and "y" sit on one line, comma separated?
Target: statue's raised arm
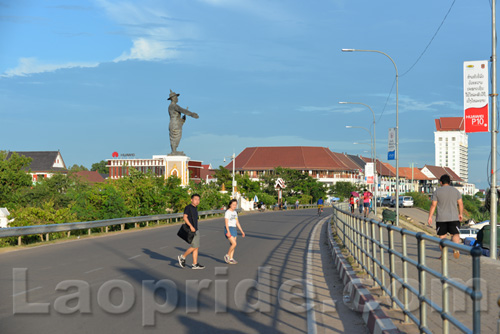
{"x": 178, "y": 108}
{"x": 177, "y": 121}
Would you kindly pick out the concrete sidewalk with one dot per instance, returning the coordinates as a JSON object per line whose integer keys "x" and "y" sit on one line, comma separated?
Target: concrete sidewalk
{"x": 460, "y": 270}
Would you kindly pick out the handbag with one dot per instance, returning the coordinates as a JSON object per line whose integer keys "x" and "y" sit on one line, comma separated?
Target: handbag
{"x": 185, "y": 233}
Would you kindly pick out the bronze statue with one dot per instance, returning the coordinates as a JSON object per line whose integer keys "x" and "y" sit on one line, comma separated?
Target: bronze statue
{"x": 177, "y": 121}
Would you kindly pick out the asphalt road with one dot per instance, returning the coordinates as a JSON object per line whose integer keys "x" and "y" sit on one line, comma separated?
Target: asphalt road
{"x": 131, "y": 282}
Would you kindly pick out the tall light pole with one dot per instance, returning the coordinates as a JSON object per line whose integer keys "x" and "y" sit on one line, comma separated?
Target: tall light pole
{"x": 373, "y": 159}
{"x": 397, "y": 123}
{"x": 374, "y": 140}
{"x": 232, "y": 157}
{"x": 494, "y": 130}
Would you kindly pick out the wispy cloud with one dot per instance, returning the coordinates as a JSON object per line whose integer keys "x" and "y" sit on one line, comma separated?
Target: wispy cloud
{"x": 153, "y": 36}
{"x": 409, "y": 104}
{"x": 330, "y": 109}
{"x": 69, "y": 7}
{"x": 29, "y": 66}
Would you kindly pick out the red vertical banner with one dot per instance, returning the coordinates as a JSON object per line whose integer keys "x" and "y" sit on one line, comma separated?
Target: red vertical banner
{"x": 476, "y": 97}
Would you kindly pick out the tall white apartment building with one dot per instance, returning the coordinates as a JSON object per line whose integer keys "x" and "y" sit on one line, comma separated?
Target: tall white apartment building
{"x": 451, "y": 145}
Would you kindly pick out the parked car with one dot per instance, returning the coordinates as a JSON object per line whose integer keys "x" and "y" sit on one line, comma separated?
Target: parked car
{"x": 467, "y": 232}
{"x": 406, "y": 202}
{"x": 386, "y": 201}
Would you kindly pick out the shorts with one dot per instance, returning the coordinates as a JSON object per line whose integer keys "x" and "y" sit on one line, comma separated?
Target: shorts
{"x": 366, "y": 204}
{"x": 232, "y": 230}
{"x": 320, "y": 206}
{"x": 452, "y": 227}
{"x": 195, "y": 243}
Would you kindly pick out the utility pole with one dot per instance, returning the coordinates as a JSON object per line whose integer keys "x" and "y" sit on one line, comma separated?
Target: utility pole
{"x": 493, "y": 123}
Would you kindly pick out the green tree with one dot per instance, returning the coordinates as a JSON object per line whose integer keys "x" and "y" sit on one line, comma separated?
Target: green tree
{"x": 100, "y": 167}
{"x": 343, "y": 189}
{"x": 13, "y": 177}
{"x": 99, "y": 202}
{"x": 76, "y": 168}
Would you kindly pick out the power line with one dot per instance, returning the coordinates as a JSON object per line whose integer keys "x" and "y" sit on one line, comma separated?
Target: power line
{"x": 432, "y": 39}
{"x": 387, "y": 100}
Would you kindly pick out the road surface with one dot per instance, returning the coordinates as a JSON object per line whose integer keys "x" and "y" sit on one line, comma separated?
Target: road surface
{"x": 131, "y": 282}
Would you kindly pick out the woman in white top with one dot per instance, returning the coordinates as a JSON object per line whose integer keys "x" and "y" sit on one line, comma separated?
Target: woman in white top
{"x": 231, "y": 219}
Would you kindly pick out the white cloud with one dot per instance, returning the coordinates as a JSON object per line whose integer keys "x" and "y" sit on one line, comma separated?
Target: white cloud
{"x": 153, "y": 38}
{"x": 31, "y": 65}
{"x": 330, "y": 109}
{"x": 146, "y": 49}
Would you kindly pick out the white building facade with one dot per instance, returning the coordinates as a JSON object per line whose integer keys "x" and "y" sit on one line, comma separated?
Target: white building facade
{"x": 452, "y": 146}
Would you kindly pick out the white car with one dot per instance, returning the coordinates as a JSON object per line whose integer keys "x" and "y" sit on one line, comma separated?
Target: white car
{"x": 468, "y": 233}
{"x": 406, "y": 201}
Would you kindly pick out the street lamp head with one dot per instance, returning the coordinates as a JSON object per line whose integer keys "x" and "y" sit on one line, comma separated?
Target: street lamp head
{"x": 348, "y": 50}
{"x": 348, "y": 126}
{"x": 343, "y": 102}
{"x": 224, "y": 159}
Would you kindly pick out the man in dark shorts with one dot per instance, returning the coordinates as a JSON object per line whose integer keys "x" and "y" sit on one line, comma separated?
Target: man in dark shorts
{"x": 448, "y": 217}
{"x": 191, "y": 219}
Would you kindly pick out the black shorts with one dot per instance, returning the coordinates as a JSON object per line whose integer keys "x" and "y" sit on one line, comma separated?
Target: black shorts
{"x": 443, "y": 228}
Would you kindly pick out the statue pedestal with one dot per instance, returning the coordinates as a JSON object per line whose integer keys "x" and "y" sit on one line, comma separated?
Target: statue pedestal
{"x": 176, "y": 165}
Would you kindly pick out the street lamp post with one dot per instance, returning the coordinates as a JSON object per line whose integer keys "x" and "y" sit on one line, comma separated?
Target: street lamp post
{"x": 232, "y": 157}
{"x": 397, "y": 123}
{"x": 374, "y": 141}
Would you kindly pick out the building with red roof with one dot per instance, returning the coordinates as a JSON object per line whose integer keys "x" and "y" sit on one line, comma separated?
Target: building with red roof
{"x": 451, "y": 145}
{"x": 319, "y": 162}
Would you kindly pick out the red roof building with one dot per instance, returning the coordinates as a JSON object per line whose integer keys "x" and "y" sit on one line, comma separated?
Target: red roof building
{"x": 450, "y": 124}
{"x": 319, "y": 162}
{"x": 89, "y": 176}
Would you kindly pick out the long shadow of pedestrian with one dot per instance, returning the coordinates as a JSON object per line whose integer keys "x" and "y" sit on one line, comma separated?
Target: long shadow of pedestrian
{"x": 157, "y": 256}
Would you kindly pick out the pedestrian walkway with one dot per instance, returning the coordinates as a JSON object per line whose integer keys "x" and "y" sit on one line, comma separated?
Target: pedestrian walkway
{"x": 331, "y": 314}
{"x": 459, "y": 270}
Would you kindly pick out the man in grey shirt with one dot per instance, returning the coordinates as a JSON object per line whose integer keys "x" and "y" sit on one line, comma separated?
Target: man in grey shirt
{"x": 448, "y": 217}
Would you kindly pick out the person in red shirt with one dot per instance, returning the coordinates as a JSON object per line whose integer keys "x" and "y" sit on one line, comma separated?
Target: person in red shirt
{"x": 367, "y": 196}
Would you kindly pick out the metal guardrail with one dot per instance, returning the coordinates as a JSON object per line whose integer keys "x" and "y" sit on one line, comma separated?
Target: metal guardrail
{"x": 367, "y": 247}
{"x": 68, "y": 227}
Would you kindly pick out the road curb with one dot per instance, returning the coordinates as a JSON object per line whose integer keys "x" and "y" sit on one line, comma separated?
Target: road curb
{"x": 374, "y": 317}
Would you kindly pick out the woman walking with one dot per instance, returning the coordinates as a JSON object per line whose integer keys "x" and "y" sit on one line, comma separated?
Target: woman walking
{"x": 351, "y": 203}
{"x": 232, "y": 222}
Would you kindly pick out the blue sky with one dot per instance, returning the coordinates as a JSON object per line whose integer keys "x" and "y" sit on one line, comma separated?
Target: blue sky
{"x": 89, "y": 77}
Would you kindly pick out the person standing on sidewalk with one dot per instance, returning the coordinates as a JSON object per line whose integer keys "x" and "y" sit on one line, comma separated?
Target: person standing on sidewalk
{"x": 191, "y": 219}
{"x": 446, "y": 199}
{"x": 232, "y": 222}
{"x": 367, "y": 196}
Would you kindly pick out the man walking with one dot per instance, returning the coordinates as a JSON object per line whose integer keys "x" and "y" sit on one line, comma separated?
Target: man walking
{"x": 448, "y": 218}
{"x": 191, "y": 219}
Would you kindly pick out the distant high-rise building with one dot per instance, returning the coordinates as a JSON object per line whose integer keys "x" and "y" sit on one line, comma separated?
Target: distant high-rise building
{"x": 451, "y": 145}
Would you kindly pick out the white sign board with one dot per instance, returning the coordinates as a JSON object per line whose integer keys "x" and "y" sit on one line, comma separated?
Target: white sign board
{"x": 476, "y": 97}
{"x": 369, "y": 172}
{"x": 391, "y": 154}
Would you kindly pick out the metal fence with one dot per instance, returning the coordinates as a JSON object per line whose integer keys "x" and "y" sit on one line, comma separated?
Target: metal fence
{"x": 365, "y": 240}
{"x": 103, "y": 224}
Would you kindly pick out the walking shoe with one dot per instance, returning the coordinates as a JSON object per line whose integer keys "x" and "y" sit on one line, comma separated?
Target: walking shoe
{"x": 456, "y": 254}
{"x": 232, "y": 261}
{"x": 197, "y": 266}
{"x": 182, "y": 261}
{"x": 226, "y": 258}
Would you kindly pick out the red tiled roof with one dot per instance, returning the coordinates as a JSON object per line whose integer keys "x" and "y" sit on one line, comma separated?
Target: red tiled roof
{"x": 350, "y": 165}
{"x": 406, "y": 172}
{"x": 450, "y": 124}
{"x": 294, "y": 157}
{"x": 437, "y": 171}
{"x": 91, "y": 177}
{"x": 382, "y": 168}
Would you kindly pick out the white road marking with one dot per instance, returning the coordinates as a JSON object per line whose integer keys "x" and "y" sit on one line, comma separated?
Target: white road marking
{"x": 23, "y": 292}
{"x": 91, "y": 271}
{"x": 311, "y": 316}
{"x": 134, "y": 257}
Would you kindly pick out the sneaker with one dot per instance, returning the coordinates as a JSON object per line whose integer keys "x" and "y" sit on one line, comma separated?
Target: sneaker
{"x": 197, "y": 266}
{"x": 232, "y": 261}
{"x": 456, "y": 254}
{"x": 226, "y": 258}
{"x": 182, "y": 261}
